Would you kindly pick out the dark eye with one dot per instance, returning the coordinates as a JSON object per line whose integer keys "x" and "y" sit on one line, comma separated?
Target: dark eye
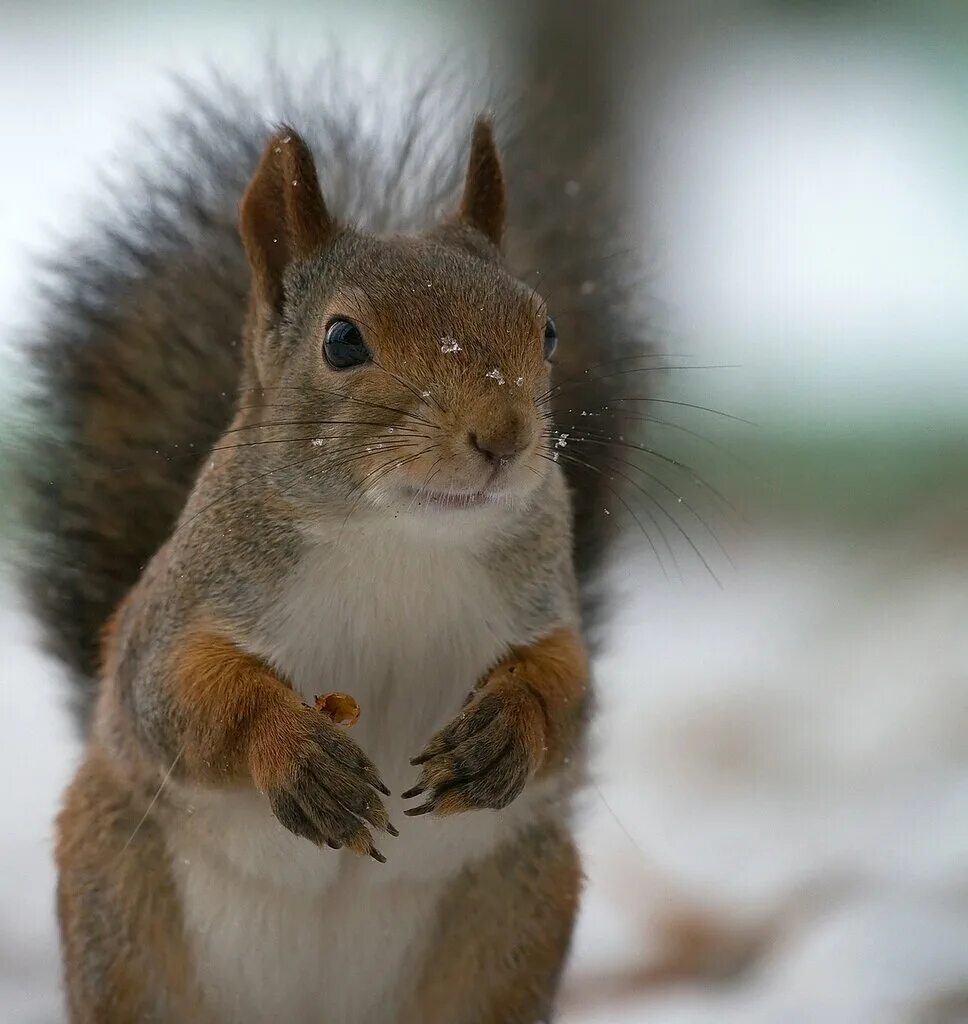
{"x": 344, "y": 345}
{"x": 550, "y": 338}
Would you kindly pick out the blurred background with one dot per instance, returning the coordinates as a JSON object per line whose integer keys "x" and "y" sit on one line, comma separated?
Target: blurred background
{"x": 777, "y": 827}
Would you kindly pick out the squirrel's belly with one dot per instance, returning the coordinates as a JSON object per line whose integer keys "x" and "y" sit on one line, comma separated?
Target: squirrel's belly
{"x": 283, "y": 930}
{"x": 279, "y": 929}
{"x": 263, "y": 953}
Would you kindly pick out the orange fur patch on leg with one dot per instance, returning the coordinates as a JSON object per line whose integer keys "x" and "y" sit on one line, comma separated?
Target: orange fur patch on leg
{"x": 553, "y": 673}
{"x": 238, "y": 718}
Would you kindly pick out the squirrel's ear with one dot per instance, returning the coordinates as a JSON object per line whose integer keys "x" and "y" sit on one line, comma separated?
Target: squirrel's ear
{"x": 483, "y": 205}
{"x": 283, "y": 217}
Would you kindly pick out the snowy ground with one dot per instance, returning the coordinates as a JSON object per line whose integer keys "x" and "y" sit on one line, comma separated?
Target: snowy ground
{"x": 778, "y": 828}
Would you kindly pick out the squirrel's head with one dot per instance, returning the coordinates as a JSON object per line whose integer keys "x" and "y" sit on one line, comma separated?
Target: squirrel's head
{"x": 405, "y": 374}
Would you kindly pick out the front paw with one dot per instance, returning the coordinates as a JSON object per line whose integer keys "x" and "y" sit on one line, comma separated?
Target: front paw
{"x": 324, "y": 788}
{"x": 484, "y": 758}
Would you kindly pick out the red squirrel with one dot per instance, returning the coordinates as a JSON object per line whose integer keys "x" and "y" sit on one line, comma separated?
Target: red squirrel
{"x": 300, "y": 449}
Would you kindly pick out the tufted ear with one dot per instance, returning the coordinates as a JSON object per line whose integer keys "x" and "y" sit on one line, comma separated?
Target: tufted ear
{"x": 283, "y": 217}
{"x": 483, "y": 205}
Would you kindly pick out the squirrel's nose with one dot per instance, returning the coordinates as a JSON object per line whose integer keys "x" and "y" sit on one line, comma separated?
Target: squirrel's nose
{"x": 498, "y": 448}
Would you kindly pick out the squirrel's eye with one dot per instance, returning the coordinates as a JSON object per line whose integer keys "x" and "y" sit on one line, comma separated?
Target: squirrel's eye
{"x": 550, "y": 338}
{"x": 344, "y": 345}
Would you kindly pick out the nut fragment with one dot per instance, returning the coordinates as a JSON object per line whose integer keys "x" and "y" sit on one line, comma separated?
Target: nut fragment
{"x": 340, "y": 707}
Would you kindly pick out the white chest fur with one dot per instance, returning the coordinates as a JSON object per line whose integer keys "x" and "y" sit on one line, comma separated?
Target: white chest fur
{"x": 282, "y": 930}
{"x": 406, "y": 628}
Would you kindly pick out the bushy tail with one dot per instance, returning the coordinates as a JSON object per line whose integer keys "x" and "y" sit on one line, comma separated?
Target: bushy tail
{"x": 138, "y": 356}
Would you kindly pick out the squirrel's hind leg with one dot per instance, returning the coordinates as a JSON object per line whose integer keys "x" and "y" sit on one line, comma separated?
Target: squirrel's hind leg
{"x": 124, "y": 958}
{"x": 502, "y": 935}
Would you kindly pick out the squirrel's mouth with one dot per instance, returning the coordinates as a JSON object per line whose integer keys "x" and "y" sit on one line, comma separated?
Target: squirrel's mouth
{"x": 451, "y": 499}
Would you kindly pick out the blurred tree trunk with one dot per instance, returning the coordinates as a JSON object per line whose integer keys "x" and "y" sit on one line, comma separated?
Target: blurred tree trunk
{"x": 591, "y": 73}
{"x": 583, "y": 52}
{"x": 577, "y": 68}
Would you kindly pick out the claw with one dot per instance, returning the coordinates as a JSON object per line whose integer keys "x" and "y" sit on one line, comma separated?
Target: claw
{"x": 377, "y": 856}
{"x": 393, "y": 831}
{"x": 424, "y": 808}
{"x": 432, "y": 749}
{"x": 413, "y": 791}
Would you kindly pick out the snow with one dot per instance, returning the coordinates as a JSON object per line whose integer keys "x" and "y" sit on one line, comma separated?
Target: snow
{"x": 784, "y": 762}
{"x": 775, "y": 825}
{"x": 38, "y": 752}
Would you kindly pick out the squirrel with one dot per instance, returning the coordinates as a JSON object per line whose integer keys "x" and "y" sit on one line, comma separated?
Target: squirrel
{"x": 297, "y": 447}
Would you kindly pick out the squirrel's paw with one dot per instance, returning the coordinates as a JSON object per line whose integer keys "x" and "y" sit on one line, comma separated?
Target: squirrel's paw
{"x": 326, "y": 789}
{"x": 488, "y": 752}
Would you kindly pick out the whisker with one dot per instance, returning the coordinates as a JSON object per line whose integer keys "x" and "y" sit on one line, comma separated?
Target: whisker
{"x": 613, "y": 362}
{"x": 394, "y": 460}
{"x": 245, "y": 483}
{"x": 631, "y": 512}
{"x": 339, "y": 394}
{"x": 659, "y": 505}
{"x": 358, "y": 456}
{"x": 679, "y": 500}
{"x": 674, "y": 426}
{"x": 557, "y": 453}
{"x": 343, "y": 459}
{"x": 603, "y": 439}
{"x": 361, "y": 485}
{"x": 683, "y": 405}
{"x": 581, "y": 382}
{"x": 434, "y": 470}
{"x": 312, "y": 437}
{"x": 315, "y": 422}
{"x": 154, "y": 799}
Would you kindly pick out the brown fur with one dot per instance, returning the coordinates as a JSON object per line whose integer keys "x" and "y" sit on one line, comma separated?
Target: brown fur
{"x": 504, "y": 933}
{"x": 120, "y": 923}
